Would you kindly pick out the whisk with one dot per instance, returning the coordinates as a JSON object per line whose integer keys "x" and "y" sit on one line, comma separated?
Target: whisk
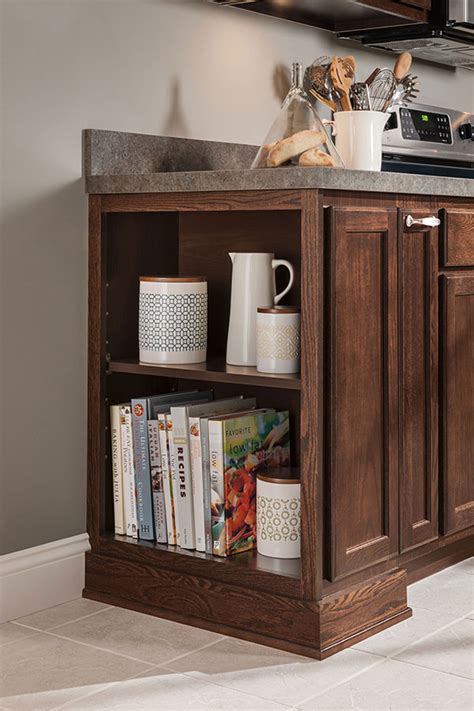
{"x": 382, "y": 86}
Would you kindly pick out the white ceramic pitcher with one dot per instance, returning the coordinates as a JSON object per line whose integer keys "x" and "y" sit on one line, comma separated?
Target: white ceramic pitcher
{"x": 253, "y": 286}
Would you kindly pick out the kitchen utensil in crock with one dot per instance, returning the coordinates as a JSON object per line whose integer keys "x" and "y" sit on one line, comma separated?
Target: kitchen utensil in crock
{"x": 316, "y": 82}
{"x": 381, "y": 89}
{"x": 341, "y": 73}
{"x": 402, "y": 65}
{"x": 360, "y": 97}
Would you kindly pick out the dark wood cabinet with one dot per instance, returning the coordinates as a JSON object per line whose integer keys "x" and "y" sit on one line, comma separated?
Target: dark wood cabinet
{"x": 418, "y": 309}
{"x": 387, "y": 363}
{"x": 363, "y": 365}
{"x": 458, "y": 402}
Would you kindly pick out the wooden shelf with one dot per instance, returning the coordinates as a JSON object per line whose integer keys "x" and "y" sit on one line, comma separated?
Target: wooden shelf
{"x": 287, "y": 567}
{"x": 215, "y": 370}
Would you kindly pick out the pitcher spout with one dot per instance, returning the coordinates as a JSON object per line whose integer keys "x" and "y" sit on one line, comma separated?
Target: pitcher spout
{"x": 232, "y": 256}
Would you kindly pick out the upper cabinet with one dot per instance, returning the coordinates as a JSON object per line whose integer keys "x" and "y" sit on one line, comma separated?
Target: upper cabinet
{"x": 340, "y": 15}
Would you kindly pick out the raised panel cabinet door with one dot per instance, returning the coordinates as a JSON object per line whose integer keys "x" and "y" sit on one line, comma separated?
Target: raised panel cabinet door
{"x": 418, "y": 378}
{"x": 458, "y": 237}
{"x": 458, "y": 402}
{"x": 362, "y": 360}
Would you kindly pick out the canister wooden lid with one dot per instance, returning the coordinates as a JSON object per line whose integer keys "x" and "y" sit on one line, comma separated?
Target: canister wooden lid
{"x": 279, "y": 310}
{"x": 280, "y": 475}
{"x": 166, "y": 280}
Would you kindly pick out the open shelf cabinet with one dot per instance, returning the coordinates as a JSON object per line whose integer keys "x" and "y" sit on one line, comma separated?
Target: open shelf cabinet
{"x": 131, "y": 236}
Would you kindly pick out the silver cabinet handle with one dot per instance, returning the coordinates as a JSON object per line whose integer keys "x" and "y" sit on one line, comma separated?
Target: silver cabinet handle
{"x": 430, "y": 221}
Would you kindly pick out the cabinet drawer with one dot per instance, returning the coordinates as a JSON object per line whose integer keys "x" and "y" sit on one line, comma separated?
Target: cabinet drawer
{"x": 458, "y": 238}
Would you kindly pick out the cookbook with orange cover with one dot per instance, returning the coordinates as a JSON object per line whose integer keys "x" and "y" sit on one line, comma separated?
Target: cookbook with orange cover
{"x": 240, "y": 447}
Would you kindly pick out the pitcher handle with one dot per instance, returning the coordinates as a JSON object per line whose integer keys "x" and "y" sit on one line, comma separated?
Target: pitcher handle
{"x": 283, "y": 263}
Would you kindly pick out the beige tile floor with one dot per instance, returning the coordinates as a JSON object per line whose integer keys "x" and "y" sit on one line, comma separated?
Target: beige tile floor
{"x": 85, "y": 655}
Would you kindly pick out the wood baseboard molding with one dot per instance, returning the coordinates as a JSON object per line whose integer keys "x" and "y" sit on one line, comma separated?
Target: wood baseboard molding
{"x": 359, "y": 611}
{"x": 41, "y": 577}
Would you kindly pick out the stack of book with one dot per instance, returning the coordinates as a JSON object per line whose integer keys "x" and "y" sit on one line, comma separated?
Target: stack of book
{"x": 184, "y": 468}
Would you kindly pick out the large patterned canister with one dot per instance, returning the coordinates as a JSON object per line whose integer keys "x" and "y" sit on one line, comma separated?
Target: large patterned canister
{"x": 278, "y": 514}
{"x": 278, "y": 339}
{"x": 172, "y": 325}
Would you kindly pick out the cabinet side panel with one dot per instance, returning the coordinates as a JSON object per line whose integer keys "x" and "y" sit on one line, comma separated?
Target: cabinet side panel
{"x": 363, "y": 439}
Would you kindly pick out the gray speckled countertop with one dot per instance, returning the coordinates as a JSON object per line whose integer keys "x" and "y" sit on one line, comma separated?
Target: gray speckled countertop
{"x": 116, "y": 162}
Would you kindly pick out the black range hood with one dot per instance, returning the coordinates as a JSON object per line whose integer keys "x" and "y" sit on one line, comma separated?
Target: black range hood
{"x": 447, "y": 39}
{"x": 439, "y": 31}
{"x": 337, "y": 15}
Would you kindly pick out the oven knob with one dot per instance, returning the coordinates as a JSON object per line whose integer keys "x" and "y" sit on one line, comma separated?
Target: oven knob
{"x": 466, "y": 131}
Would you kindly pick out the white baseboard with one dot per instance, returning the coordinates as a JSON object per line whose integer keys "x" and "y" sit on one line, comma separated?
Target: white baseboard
{"x": 41, "y": 577}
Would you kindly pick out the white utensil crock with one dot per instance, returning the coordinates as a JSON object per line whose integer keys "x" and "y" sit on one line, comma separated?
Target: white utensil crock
{"x": 278, "y": 339}
{"x": 253, "y": 285}
{"x": 278, "y": 516}
{"x": 359, "y": 138}
{"x": 172, "y": 324}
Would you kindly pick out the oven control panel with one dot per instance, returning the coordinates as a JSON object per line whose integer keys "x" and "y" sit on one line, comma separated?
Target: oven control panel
{"x": 425, "y": 126}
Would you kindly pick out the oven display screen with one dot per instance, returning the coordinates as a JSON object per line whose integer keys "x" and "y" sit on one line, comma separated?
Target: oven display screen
{"x": 425, "y": 126}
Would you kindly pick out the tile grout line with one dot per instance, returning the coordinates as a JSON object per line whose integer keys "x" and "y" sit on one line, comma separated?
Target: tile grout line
{"x": 107, "y": 686}
{"x": 185, "y": 654}
{"x": 435, "y": 671}
{"x": 90, "y": 646}
{"x": 422, "y": 639}
{"x": 380, "y": 660}
{"x": 48, "y": 629}
{"x": 119, "y": 654}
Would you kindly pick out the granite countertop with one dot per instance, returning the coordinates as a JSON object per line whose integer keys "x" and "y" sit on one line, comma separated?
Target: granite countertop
{"x": 116, "y": 162}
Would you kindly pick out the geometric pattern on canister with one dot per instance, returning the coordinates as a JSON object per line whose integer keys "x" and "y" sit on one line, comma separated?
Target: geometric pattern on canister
{"x": 282, "y": 342}
{"x": 278, "y": 519}
{"x": 172, "y": 322}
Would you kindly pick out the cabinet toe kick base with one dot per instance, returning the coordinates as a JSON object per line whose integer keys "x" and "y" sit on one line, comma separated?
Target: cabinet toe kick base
{"x": 358, "y": 612}
{"x": 294, "y": 625}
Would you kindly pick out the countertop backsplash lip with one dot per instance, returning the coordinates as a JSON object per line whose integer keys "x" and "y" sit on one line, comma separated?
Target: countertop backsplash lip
{"x": 121, "y": 162}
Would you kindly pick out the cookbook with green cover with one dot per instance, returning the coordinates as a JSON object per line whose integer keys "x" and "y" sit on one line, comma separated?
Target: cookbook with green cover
{"x": 239, "y": 447}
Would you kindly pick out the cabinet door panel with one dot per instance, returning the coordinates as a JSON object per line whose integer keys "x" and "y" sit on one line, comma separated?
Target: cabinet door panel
{"x": 458, "y": 402}
{"x": 363, "y": 416}
{"x": 458, "y": 238}
{"x": 418, "y": 289}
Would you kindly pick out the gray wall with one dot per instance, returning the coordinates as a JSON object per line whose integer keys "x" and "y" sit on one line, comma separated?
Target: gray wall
{"x": 177, "y": 67}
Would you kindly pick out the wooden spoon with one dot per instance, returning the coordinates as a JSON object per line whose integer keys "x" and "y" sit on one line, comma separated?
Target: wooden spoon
{"x": 342, "y": 76}
{"x": 402, "y": 65}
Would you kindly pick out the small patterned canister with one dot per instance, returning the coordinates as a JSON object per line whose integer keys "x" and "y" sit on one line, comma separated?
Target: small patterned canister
{"x": 279, "y": 514}
{"x": 278, "y": 339}
{"x": 172, "y": 324}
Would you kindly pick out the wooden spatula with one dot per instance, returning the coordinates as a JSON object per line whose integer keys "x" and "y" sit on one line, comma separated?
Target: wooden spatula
{"x": 342, "y": 76}
{"x": 402, "y": 65}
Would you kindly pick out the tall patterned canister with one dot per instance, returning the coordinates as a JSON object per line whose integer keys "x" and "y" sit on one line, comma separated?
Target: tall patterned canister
{"x": 278, "y": 514}
{"x": 172, "y": 324}
{"x": 278, "y": 339}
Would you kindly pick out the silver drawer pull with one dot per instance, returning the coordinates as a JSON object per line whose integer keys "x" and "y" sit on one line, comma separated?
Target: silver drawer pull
{"x": 430, "y": 221}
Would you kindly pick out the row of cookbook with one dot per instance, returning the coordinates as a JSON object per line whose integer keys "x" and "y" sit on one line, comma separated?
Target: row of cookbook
{"x": 184, "y": 468}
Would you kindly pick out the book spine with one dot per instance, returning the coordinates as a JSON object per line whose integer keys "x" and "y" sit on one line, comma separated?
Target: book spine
{"x": 119, "y": 515}
{"x": 154, "y": 443}
{"x": 216, "y": 468}
{"x": 130, "y": 501}
{"x": 142, "y": 469}
{"x": 159, "y": 515}
{"x": 197, "y": 482}
{"x": 159, "y": 510}
{"x": 173, "y": 475}
{"x": 167, "y": 482}
{"x": 186, "y": 538}
{"x": 206, "y": 485}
